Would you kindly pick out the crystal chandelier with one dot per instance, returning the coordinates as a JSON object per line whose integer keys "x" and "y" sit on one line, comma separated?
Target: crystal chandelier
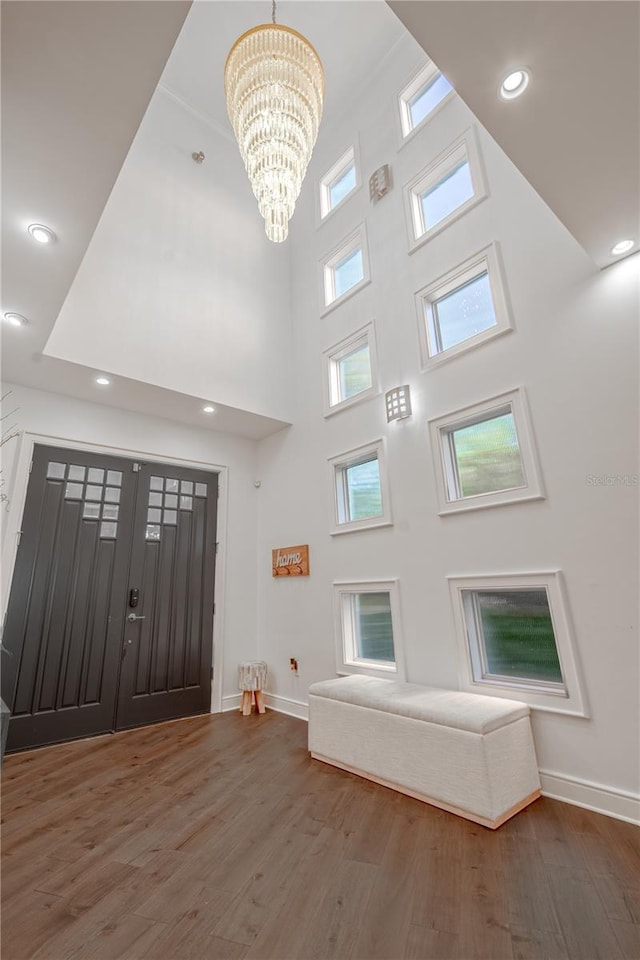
{"x": 274, "y": 84}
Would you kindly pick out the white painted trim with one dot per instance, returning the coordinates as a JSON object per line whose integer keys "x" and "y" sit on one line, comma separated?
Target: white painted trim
{"x": 335, "y": 353}
{"x": 427, "y": 73}
{"x": 337, "y": 467}
{"x": 472, "y": 267}
{"x": 293, "y": 708}
{"x": 346, "y": 662}
{"x": 598, "y": 797}
{"x": 356, "y": 240}
{"x": 441, "y": 428}
{"x": 350, "y": 155}
{"x": 10, "y": 548}
{"x": 465, "y": 146}
{"x": 231, "y": 702}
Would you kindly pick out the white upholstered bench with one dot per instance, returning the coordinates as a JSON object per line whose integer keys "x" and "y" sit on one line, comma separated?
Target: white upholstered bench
{"x": 468, "y": 754}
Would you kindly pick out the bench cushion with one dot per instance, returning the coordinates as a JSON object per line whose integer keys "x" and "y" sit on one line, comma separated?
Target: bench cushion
{"x": 451, "y": 708}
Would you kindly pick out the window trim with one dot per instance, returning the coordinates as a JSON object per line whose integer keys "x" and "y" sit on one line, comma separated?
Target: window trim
{"x": 427, "y": 73}
{"x": 351, "y": 156}
{"x": 573, "y": 701}
{"x": 357, "y": 239}
{"x": 487, "y": 259}
{"x": 331, "y": 357}
{"x": 346, "y": 664}
{"x": 337, "y": 466}
{"x": 442, "y": 427}
{"x": 464, "y": 148}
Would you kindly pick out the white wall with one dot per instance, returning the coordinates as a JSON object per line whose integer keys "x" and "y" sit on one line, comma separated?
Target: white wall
{"x": 574, "y": 349}
{"x": 182, "y": 287}
{"x": 64, "y": 418}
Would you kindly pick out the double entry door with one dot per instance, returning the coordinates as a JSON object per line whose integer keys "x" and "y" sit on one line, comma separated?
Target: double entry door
{"x": 110, "y": 616}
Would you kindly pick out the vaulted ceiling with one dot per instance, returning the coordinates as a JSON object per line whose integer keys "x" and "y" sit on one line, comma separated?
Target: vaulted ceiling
{"x": 78, "y": 77}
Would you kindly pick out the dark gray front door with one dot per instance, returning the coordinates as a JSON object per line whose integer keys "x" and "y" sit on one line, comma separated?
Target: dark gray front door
{"x": 86, "y": 654}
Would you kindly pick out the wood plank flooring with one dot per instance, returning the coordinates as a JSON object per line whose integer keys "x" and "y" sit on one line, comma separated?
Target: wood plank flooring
{"x": 218, "y": 838}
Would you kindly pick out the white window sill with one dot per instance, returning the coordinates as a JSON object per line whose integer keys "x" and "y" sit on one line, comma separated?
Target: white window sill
{"x": 356, "y": 526}
{"x": 345, "y": 296}
{"x": 487, "y": 500}
{"x": 352, "y": 401}
{"x": 416, "y": 243}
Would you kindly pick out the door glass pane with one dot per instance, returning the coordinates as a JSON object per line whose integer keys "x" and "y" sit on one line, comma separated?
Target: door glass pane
{"x": 488, "y": 457}
{"x": 363, "y": 490}
{"x": 464, "y": 312}
{"x": 108, "y": 530}
{"x": 171, "y": 485}
{"x": 186, "y": 503}
{"x": 186, "y": 486}
{"x": 348, "y": 272}
{"x": 55, "y": 471}
{"x": 374, "y": 631}
{"x": 155, "y": 499}
{"x": 154, "y": 515}
{"x": 91, "y": 511}
{"x": 76, "y": 473}
{"x": 112, "y": 495}
{"x": 73, "y": 491}
{"x": 114, "y": 477}
{"x": 96, "y": 475}
{"x": 518, "y": 634}
{"x": 447, "y": 195}
{"x": 170, "y": 516}
{"x": 354, "y": 372}
{"x": 153, "y": 531}
{"x": 110, "y": 512}
{"x": 156, "y": 483}
{"x": 201, "y": 489}
{"x": 171, "y": 500}
{"x": 94, "y": 493}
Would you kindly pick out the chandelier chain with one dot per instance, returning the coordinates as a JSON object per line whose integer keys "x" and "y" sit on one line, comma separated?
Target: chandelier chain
{"x": 273, "y": 11}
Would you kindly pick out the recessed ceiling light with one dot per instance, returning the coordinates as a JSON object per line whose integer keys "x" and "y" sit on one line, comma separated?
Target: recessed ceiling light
{"x": 41, "y": 233}
{"x": 16, "y": 319}
{"x": 623, "y": 246}
{"x": 209, "y": 409}
{"x": 103, "y": 381}
{"x": 514, "y": 84}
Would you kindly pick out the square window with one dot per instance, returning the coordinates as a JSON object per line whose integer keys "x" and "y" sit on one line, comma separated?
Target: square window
{"x": 350, "y": 370}
{"x": 94, "y": 493}
{"x": 448, "y": 187}
{"x": 367, "y": 638}
{"x": 108, "y": 530}
{"x": 486, "y": 455}
{"x": 186, "y": 486}
{"x": 76, "y": 473}
{"x": 419, "y": 100}
{"x": 171, "y": 500}
{"x": 462, "y": 309}
{"x": 155, "y": 499}
{"x": 514, "y": 639}
{"x": 152, "y": 531}
{"x": 154, "y": 515}
{"x": 171, "y": 485}
{"x": 112, "y": 495}
{"x": 345, "y": 270}
{"x": 73, "y": 491}
{"x": 186, "y": 503}
{"x": 109, "y": 511}
{"x": 95, "y": 475}
{"x": 360, "y": 493}
{"x": 338, "y": 183}
{"x": 56, "y": 471}
{"x": 201, "y": 489}
{"x": 91, "y": 511}
{"x": 156, "y": 483}
{"x": 114, "y": 477}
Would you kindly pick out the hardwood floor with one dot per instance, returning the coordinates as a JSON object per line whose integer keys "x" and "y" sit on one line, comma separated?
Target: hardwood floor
{"x": 218, "y": 838}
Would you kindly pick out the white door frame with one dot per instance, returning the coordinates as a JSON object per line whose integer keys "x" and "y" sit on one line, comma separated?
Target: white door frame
{"x": 29, "y": 439}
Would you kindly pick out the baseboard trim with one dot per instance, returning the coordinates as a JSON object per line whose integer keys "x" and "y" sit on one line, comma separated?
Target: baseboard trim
{"x": 294, "y": 708}
{"x": 231, "y": 702}
{"x": 610, "y": 801}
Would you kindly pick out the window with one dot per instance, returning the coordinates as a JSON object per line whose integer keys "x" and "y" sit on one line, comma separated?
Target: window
{"x": 359, "y": 489}
{"x": 486, "y": 455}
{"x": 444, "y": 190}
{"x": 350, "y": 370}
{"x": 514, "y": 639}
{"x": 462, "y": 309}
{"x": 336, "y": 185}
{"x": 428, "y": 90}
{"x": 367, "y": 638}
{"x": 345, "y": 270}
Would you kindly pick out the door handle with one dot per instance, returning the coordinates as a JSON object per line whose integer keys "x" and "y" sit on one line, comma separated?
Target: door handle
{"x": 132, "y": 618}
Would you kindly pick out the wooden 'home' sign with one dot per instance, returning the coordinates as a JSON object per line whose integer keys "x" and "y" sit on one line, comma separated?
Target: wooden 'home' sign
{"x": 290, "y": 561}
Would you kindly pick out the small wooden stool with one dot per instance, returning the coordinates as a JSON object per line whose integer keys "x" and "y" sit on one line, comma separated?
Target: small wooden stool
{"x": 252, "y": 679}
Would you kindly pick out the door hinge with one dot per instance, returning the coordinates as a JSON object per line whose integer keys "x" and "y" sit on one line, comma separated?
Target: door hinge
{"x": 19, "y": 537}
{"x": 31, "y": 466}
{"x": 217, "y": 545}
{"x": 136, "y": 467}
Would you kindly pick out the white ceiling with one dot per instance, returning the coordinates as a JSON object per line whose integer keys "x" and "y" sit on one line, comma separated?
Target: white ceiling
{"x": 575, "y": 133}
{"x": 77, "y": 77}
